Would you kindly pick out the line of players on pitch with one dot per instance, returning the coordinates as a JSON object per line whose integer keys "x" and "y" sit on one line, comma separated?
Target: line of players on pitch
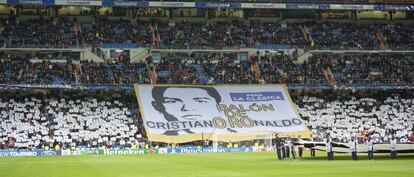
{"x": 286, "y": 147}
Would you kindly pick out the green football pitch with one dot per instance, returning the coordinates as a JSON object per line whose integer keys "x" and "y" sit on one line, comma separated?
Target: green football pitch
{"x": 204, "y": 165}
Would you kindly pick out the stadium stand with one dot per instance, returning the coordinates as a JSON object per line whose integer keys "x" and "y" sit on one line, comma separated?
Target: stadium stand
{"x": 113, "y": 73}
{"x": 351, "y": 69}
{"x": 372, "y": 69}
{"x": 81, "y": 120}
{"x": 344, "y": 115}
{"x": 38, "y": 34}
{"x": 22, "y": 71}
{"x": 92, "y": 120}
{"x": 215, "y": 35}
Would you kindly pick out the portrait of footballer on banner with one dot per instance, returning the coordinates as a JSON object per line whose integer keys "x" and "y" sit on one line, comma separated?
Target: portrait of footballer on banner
{"x": 185, "y": 104}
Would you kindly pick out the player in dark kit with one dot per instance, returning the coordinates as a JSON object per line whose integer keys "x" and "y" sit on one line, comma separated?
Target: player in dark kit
{"x": 283, "y": 149}
{"x": 278, "y": 150}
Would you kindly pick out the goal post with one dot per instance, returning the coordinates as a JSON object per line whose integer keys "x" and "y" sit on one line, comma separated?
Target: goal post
{"x": 262, "y": 141}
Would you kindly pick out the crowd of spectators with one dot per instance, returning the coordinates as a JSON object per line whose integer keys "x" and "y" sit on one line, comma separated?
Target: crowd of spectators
{"x": 344, "y": 36}
{"x": 37, "y": 34}
{"x": 209, "y": 35}
{"x": 319, "y": 69}
{"x": 399, "y": 37}
{"x": 354, "y": 69}
{"x": 63, "y": 33}
{"x": 176, "y": 70}
{"x": 86, "y": 120}
{"x": 273, "y": 34}
{"x": 113, "y": 119}
{"x": 73, "y": 120}
{"x": 345, "y": 115}
{"x": 283, "y": 69}
{"x": 113, "y": 73}
{"x": 374, "y": 69}
{"x": 116, "y": 32}
{"x": 21, "y": 71}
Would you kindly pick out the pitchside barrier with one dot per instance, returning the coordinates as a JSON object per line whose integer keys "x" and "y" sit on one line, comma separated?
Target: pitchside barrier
{"x": 124, "y": 151}
{"x": 25, "y": 152}
{"x": 378, "y": 148}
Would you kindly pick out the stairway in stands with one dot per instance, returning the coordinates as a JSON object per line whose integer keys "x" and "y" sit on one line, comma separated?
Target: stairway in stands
{"x": 381, "y": 38}
{"x": 110, "y": 73}
{"x": 329, "y": 76}
{"x": 77, "y": 29}
{"x": 202, "y": 76}
{"x": 305, "y": 32}
{"x": 155, "y": 35}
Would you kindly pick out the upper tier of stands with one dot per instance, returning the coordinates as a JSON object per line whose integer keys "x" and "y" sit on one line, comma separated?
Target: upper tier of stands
{"x": 217, "y": 35}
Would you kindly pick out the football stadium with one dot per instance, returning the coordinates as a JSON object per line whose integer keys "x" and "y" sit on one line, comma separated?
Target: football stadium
{"x": 206, "y": 88}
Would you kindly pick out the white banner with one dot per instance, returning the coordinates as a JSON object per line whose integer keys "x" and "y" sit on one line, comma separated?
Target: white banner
{"x": 351, "y": 7}
{"x": 78, "y": 2}
{"x": 177, "y": 110}
{"x": 66, "y": 152}
{"x": 171, "y": 4}
{"x": 263, "y": 5}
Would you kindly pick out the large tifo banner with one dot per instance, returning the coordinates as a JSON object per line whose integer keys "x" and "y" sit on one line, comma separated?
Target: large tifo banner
{"x": 181, "y": 113}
